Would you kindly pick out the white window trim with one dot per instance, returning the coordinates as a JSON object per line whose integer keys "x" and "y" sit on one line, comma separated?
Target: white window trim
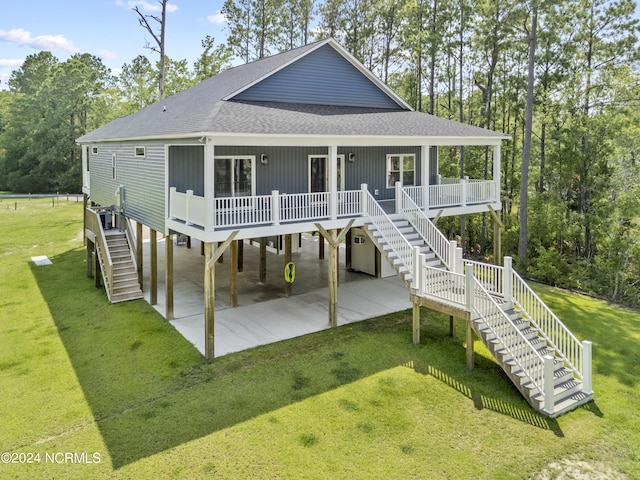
{"x": 94, "y": 150}
{"x": 340, "y": 162}
{"x": 388, "y": 164}
{"x": 253, "y": 170}
{"x": 144, "y": 151}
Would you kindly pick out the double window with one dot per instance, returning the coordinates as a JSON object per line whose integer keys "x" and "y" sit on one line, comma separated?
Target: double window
{"x": 234, "y": 176}
{"x": 401, "y": 168}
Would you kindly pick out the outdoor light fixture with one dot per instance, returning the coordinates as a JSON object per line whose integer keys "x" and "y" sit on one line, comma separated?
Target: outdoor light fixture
{"x": 264, "y": 159}
{"x": 352, "y": 157}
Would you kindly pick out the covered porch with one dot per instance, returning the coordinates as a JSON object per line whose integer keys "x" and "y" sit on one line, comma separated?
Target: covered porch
{"x": 265, "y": 313}
{"x": 222, "y": 186}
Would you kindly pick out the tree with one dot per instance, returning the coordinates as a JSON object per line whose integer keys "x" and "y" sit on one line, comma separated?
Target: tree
{"x": 213, "y": 59}
{"x": 51, "y": 106}
{"x": 526, "y": 147}
{"x": 158, "y": 38}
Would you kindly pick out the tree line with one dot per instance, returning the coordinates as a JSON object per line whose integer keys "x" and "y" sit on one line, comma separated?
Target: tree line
{"x": 560, "y": 76}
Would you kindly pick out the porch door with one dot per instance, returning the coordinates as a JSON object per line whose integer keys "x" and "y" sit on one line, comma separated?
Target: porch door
{"x": 319, "y": 173}
{"x": 233, "y": 176}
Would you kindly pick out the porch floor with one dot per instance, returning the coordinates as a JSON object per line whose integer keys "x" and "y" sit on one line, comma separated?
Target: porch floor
{"x": 264, "y": 314}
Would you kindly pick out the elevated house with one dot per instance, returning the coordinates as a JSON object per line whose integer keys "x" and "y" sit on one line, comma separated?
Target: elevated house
{"x": 310, "y": 140}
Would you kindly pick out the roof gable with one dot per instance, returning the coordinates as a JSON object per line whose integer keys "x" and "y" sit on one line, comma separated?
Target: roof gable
{"x": 323, "y": 76}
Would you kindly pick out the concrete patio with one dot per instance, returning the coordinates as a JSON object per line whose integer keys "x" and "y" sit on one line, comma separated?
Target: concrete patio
{"x": 264, "y": 313}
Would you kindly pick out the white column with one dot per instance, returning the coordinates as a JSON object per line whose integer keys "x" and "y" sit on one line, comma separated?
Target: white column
{"x": 209, "y": 156}
{"x": 496, "y": 170}
{"x": 507, "y": 287}
{"x": 333, "y": 182}
{"x": 548, "y": 386}
{"x": 587, "y": 382}
{"x": 425, "y": 157}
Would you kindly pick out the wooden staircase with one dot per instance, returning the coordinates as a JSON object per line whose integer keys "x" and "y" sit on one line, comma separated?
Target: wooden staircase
{"x": 567, "y": 390}
{"x": 551, "y": 369}
{"x": 124, "y": 274}
{"x": 414, "y": 239}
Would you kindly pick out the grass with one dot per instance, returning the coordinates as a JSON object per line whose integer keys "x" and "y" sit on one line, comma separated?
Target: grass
{"x": 360, "y": 401}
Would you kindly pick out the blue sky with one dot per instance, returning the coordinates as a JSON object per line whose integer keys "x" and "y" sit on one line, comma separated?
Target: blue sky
{"x": 108, "y": 29}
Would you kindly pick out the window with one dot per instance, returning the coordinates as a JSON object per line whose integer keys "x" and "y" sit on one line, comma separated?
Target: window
{"x": 94, "y": 150}
{"x": 319, "y": 173}
{"x": 233, "y": 176}
{"x": 141, "y": 151}
{"x": 401, "y": 168}
{"x": 114, "y": 165}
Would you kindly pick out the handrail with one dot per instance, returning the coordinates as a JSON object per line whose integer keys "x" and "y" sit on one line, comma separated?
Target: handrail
{"x": 131, "y": 238}
{"x": 434, "y": 238}
{"x": 95, "y": 225}
{"x": 513, "y": 341}
{"x": 548, "y": 325}
{"x": 394, "y": 237}
{"x": 446, "y": 286}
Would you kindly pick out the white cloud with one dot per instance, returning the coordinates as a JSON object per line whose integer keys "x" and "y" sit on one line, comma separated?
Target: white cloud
{"x": 21, "y": 37}
{"x": 146, "y": 7}
{"x": 107, "y": 54}
{"x": 11, "y": 62}
{"x": 217, "y": 18}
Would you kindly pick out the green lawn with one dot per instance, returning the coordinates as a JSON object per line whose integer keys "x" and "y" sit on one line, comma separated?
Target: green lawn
{"x": 78, "y": 375}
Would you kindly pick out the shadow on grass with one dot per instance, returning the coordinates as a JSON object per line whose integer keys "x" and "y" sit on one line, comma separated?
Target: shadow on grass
{"x": 149, "y": 390}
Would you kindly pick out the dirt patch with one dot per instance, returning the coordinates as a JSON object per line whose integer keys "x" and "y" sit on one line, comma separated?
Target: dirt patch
{"x": 573, "y": 469}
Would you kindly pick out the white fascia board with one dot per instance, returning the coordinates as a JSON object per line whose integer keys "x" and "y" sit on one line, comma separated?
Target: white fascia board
{"x": 348, "y": 140}
{"x": 246, "y": 139}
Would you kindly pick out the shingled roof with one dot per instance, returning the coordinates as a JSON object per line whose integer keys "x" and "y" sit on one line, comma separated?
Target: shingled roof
{"x": 209, "y": 108}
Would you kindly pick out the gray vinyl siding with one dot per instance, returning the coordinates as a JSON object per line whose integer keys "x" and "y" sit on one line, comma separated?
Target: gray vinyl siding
{"x": 288, "y": 167}
{"x": 142, "y": 178}
{"x": 323, "y": 77}
{"x": 287, "y": 170}
{"x": 186, "y": 168}
{"x": 370, "y": 167}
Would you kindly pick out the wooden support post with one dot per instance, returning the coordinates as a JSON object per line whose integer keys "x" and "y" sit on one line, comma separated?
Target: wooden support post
{"x": 233, "y": 275}
{"x": 85, "y": 202}
{"x": 189, "y": 241}
{"x": 97, "y": 276}
{"x": 168, "y": 277}
{"x": 470, "y": 361}
{"x": 497, "y": 237}
{"x": 347, "y": 250}
{"x": 153, "y": 294}
{"x": 320, "y": 246}
{"x": 337, "y": 258}
{"x": 452, "y": 325}
{"x": 240, "y": 255}
{"x": 334, "y": 239}
{"x": 220, "y": 259}
{"x": 139, "y": 254}
{"x": 263, "y": 259}
{"x": 209, "y": 300}
{"x": 287, "y": 258}
{"x": 416, "y": 323}
{"x": 90, "y": 248}
{"x": 211, "y": 257}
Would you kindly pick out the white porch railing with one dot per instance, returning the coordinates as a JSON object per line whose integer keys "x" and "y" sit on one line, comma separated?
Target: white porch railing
{"x": 453, "y": 192}
{"x": 257, "y": 210}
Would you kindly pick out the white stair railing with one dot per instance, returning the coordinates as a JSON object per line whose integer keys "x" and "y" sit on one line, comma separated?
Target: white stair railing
{"x": 555, "y": 333}
{"x": 513, "y": 291}
{"x": 434, "y": 238}
{"x": 397, "y": 242}
{"x": 533, "y": 365}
